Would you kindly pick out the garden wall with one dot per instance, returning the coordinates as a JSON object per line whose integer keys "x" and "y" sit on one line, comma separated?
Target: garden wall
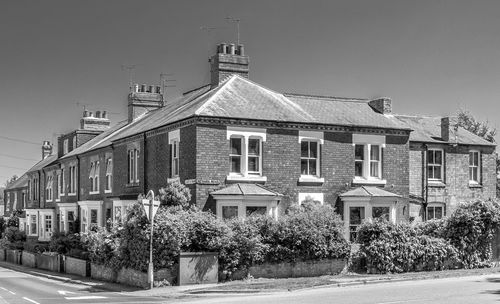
{"x": 76, "y": 266}
{"x": 28, "y": 259}
{"x": 290, "y": 270}
{"x": 13, "y": 256}
{"x": 48, "y": 262}
{"x": 2, "y": 255}
{"x": 198, "y": 268}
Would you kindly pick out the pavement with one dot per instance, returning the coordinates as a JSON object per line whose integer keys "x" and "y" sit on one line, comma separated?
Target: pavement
{"x": 252, "y": 286}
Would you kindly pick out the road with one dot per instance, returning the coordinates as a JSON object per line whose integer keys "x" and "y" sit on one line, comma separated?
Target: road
{"x": 477, "y": 290}
{"x": 17, "y": 287}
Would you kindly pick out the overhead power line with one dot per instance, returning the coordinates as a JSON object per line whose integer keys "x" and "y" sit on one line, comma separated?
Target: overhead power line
{"x": 9, "y": 167}
{"x": 20, "y": 140}
{"x": 17, "y": 157}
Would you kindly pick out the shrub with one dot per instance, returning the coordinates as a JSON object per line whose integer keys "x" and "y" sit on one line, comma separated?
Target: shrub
{"x": 175, "y": 194}
{"x": 14, "y": 238}
{"x": 242, "y": 247}
{"x": 471, "y": 229}
{"x": 67, "y": 244}
{"x": 102, "y": 246}
{"x": 13, "y": 220}
{"x": 400, "y": 248}
{"x": 434, "y": 227}
{"x": 301, "y": 236}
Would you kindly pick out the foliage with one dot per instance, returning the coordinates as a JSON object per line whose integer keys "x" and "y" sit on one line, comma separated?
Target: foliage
{"x": 482, "y": 129}
{"x": 11, "y": 180}
{"x": 13, "y": 220}
{"x": 35, "y": 247}
{"x": 67, "y": 244}
{"x": 175, "y": 194}
{"x": 471, "y": 229}
{"x": 301, "y": 236}
{"x": 398, "y": 248}
{"x": 2, "y": 225}
{"x": 13, "y": 238}
{"x": 242, "y": 246}
{"x": 463, "y": 238}
{"x": 102, "y": 246}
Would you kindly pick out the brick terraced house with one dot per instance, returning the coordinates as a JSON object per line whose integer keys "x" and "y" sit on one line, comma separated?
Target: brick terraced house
{"x": 244, "y": 149}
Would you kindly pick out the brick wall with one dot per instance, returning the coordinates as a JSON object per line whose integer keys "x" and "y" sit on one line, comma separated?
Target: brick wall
{"x": 100, "y": 155}
{"x": 157, "y": 161}
{"x": 455, "y": 187}
{"x": 121, "y": 185}
{"x": 281, "y": 165}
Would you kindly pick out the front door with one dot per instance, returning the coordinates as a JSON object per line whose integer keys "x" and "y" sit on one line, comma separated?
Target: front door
{"x": 356, "y": 216}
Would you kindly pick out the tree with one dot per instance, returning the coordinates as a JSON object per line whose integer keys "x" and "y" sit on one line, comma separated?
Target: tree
{"x": 11, "y": 180}
{"x": 482, "y": 129}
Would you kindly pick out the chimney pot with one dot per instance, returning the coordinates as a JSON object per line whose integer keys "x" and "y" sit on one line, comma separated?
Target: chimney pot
{"x": 136, "y": 88}
{"x": 231, "y": 49}
{"x": 158, "y": 90}
{"x": 150, "y": 89}
{"x": 241, "y": 50}
{"x": 223, "y": 48}
{"x": 85, "y": 113}
{"x": 91, "y": 114}
{"x": 143, "y": 88}
{"x": 104, "y": 114}
{"x": 98, "y": 114}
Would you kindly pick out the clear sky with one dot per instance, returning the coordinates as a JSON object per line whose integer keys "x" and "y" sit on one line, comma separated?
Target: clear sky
{"x": 431, "y": 57}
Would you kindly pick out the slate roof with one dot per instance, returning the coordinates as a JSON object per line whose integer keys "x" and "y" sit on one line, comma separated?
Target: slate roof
{"x": 101, "y": 140}
{"x": 428, "y": 129}
{"x": 246, "y": 189}
{"x": 367, "y": 191}
{"x": 43, "y": 163}
{"x": 238, "y": 97}
{"x": 18, "y": 183}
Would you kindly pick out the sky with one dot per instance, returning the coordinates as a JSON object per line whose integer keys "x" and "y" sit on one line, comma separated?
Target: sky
{"x": 431, "y": 57}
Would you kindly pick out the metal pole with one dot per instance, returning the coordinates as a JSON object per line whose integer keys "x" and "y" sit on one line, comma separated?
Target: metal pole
{"x": 150, "y": 266}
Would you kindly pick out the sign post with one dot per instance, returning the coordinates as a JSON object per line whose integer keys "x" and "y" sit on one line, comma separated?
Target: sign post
{"x": 150, "y": 206}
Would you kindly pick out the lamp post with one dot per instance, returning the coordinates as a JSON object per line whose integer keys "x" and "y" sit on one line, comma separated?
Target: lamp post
{"x": 150, "y": 206}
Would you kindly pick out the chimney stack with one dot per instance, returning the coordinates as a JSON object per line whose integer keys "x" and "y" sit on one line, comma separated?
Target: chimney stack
{"x": 449, "y": 128}
{"x": 383, "y": 105}
{"x": 46, "y": 149}
{"x": 230, "y": 59}
{"x": 142, "y": 99}
{"x": 99, "y": 122}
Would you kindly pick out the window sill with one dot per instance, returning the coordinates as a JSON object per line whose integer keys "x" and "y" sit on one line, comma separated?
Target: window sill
{"x": 436, "y": 184}
{"x": 241, "y": 178}
{"x": 369, "y": 181}
{"x": 108, "y": 191}
{"x": 132, "y": 185}
{"x": 475, "y": 185}
{"x": 71, "y": 194}
{"x": 307, "y": 179}
{"x": 93, "y": 192}
{"x": 58, "y": 200}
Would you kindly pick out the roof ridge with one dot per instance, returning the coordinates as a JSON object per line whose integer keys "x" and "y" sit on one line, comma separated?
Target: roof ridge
{"x": 311, "y": 96}
{"x": 217, "y": 91}
{"x": 196, "y": 89}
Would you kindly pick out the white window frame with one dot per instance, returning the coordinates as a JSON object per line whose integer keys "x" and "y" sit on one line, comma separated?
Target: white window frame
{"x": 174, "y": 142}
{"x": 434, "y": 206}
{"x": 62, "y": 189}
{"x": 94, "y": 177}
{"x": 368, "y": 142}
{"x": 14, "y": 204}
{"x": 122, "y": 207}
{"x": 44, "y": 234}
{"x": 72, "y": 180}
{"x": 133, "y": 166}
{"x": 246, "y": 134}
{"x": 85, "y": 213}
{"x": 270, "y": 203}
{"x": 368, "y": 203}
{"x": 49, "y": 188}
{"x": 65, "y": 146}
{"x": 30, "y": 216}
{"x": 475, "y": 166}
{"x": 318, "y": 137}
{"x": 58, "y": 183}
{"x": 64, "y": 209}
{"x": 108, "y": 188}
{"x": 435, "y": 164}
